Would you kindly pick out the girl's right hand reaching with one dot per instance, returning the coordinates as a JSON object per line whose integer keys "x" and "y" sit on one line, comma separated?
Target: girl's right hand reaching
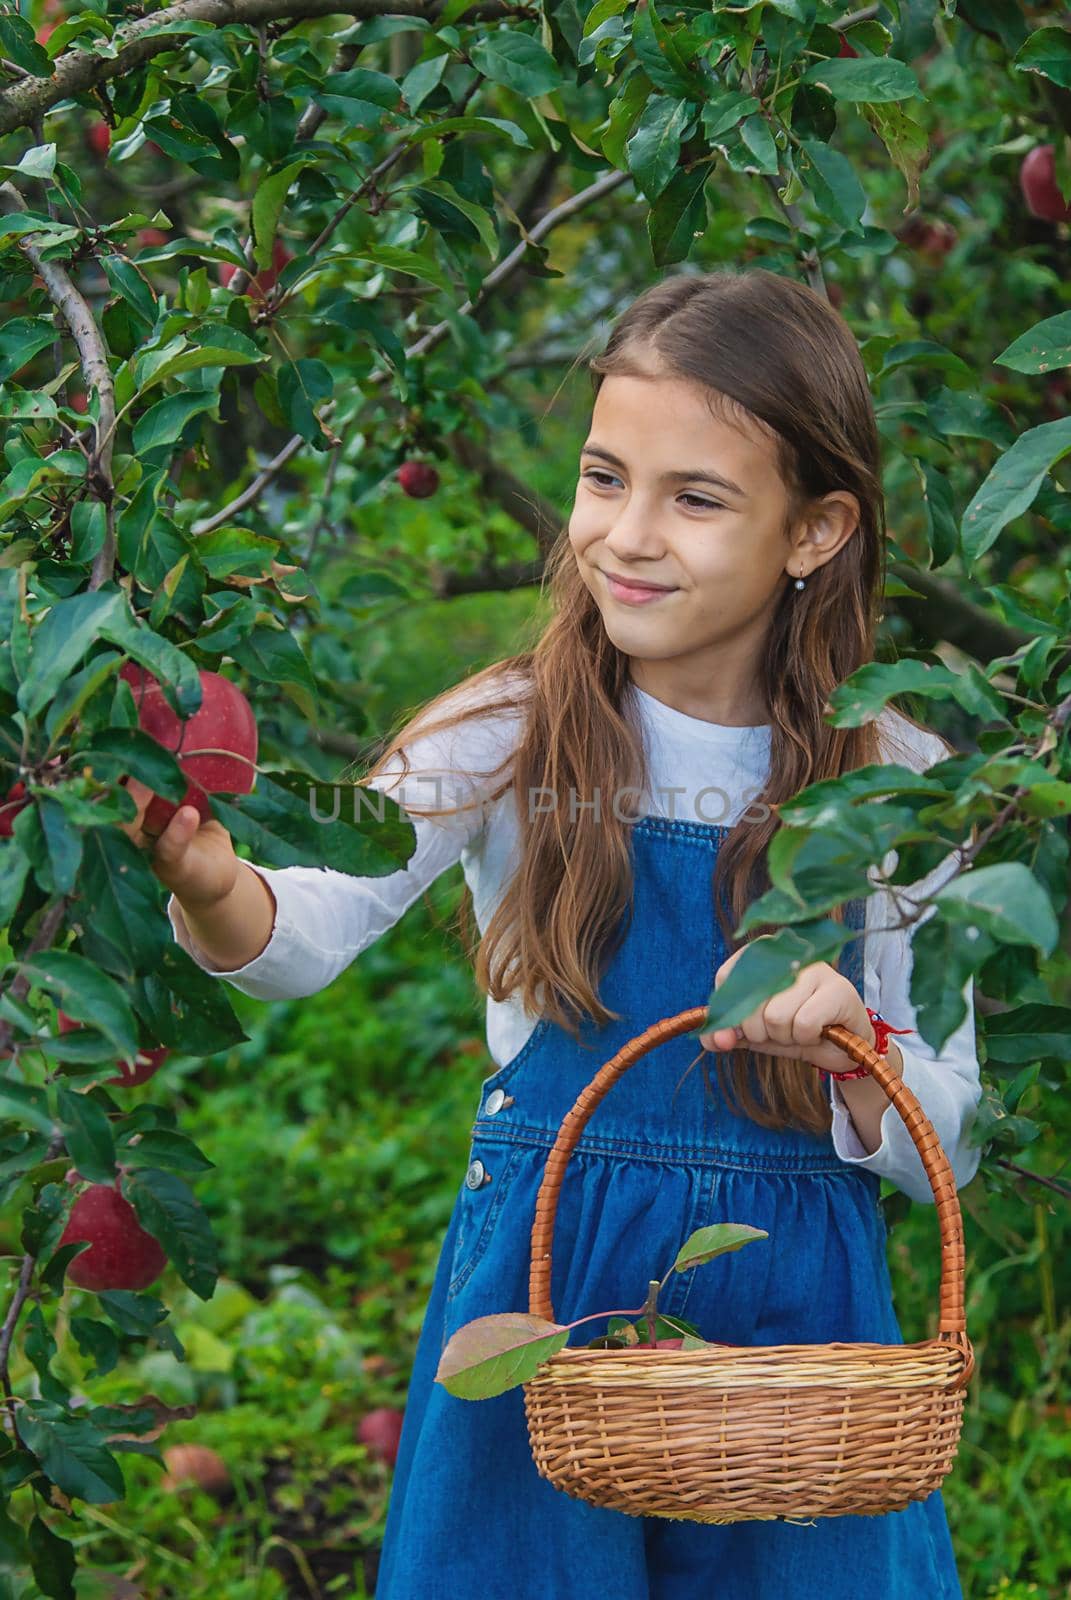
{"x": 194, "y": 859}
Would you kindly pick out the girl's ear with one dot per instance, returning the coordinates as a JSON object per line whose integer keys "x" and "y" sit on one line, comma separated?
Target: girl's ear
{"x": 829, "y": 526}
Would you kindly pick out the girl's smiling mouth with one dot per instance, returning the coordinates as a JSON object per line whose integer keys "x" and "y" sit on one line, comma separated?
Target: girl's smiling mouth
{"x": 634, "y": 595}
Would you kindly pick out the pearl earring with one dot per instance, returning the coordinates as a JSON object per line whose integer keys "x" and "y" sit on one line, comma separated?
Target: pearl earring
{"x": 799, "y": 583}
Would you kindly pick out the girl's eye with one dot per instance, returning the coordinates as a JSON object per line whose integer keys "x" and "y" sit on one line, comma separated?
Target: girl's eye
{"x": 697, "y": 500}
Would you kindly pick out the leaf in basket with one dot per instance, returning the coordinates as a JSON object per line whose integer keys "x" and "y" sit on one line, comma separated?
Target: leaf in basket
{"x": 492, "y": 1354}
{"x": 624, "y": 1329}
{"x": 706, "y": 1243}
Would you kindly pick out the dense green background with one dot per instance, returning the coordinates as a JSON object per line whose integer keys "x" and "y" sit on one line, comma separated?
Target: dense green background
{"x": 359, "y": 1101}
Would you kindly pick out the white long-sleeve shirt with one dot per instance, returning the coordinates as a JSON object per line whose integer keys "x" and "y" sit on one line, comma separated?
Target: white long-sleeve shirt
{"x": 699, "y": 770}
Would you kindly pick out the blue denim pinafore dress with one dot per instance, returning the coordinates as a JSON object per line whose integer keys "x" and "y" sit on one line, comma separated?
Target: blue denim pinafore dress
{"x": 469, "y": 1517}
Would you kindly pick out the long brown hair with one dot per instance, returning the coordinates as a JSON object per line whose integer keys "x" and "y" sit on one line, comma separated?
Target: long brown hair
{"x": 771, "y": 352}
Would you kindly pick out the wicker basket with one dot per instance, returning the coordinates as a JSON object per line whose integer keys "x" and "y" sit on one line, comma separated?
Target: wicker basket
{"x": 751, "y": 1433}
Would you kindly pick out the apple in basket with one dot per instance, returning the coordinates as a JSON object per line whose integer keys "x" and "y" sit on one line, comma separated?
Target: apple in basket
{"x": 491, "y": 1354}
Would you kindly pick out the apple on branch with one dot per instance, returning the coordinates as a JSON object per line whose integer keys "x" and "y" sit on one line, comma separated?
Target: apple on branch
{"x": 99, "y": 138}
{"x": 121, "y": 1254}
{"x": 1037, "y": 179}
{"x": 216, "y": 748}
{"x": 418, "y": 479}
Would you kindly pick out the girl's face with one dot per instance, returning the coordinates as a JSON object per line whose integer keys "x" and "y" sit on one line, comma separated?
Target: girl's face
{"x": 653, "y": 514}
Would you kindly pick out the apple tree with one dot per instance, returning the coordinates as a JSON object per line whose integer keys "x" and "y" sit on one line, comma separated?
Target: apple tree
{"x": 274, "y": 269}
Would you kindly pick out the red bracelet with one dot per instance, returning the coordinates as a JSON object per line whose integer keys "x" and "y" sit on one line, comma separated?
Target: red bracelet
{"x": 882, "y": 1031}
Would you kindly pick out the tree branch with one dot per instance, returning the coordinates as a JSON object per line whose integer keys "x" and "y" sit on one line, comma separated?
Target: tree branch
{"x": 75, "y": 71}
{"x": 498, "y": 274}
{"x": 93, "y": 356}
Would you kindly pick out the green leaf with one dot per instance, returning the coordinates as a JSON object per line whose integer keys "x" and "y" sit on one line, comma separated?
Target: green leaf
{"x": 706, "y": 1243}
{"x": 164, "y": 422}
{"x": 302, "y": 384}
{"x": 663, "y": 58}
{"x": 869, "y": 80}
{"x": 38, "y": 162}
{"x": 274, "y": 656}
{"x": 942, "y": 524}
{"x": 1047, "y": 799}
{"x": 169, "y": 1210}
{"x": 85, "y": 994}
{"x": 24, "y": 405}
{"x": 20, "y": 340}
{"x": 492, "y": 1354}
{"x": 654, "y": 147}
{"x": 292, "y": 819}
{"x": 27, "y": 1102}
{"x": 677, "y": 217}
{"x": 1030, "y": 1032}
{"x": 517, "y": 61}
{"x": 423, "y": 79}
{"x": 163, "y": 1147}
{"x": 1006, "y": 900}
{"x": 231, "y": 549}
{"x": 88, "y": 1132}
{"x": 61, "y": 639}
{"x": 756, "y": 137}
{"x": 450, "y": 213}
{"x": 98, "y": 1343}
{"x": 12, "y": 1543}
{"x": 768, "y": 965}
{"x": 63, "y": 839}
{"x": 72, "y": 1455}
{"x": 14, "y": 869}
{"x": 1042, "y": 348}
{"x": 52, "y": 1559}
{"x": 1012, "y": 484}
{"x": 214, "y": 347}
{"x": 268, "y": 203}
{"x": 127, "y": 281}
{"x": 18, "y": 43}
{"x": 862, "y": 697}
{"x": 833, "y": 181}
{"x": 467, "y": 124}
{"x": 32, "y": 473}
{"x": 1048, "y": 53}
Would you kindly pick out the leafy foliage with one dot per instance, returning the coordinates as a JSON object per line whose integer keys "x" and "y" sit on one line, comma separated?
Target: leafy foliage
{"x": 214, "y": 241}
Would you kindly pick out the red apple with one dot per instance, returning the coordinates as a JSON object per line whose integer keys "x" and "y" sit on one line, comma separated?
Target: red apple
{"x": 938, "y": 240}
{"x": 418, "y": 479}
{"x": 131, "y": 1073}
{"x": 121, "y": 1254}
{"x": 380, "y": 1430}
{"x": 259, "y": 286}
{"x": 195, "y": 1463}
{"x": 79, "y": 401}
{"x": 45, "y": 32}
{"x": 150, "y": 236}
{"x": 216, "y": 747}
{"x": 845, "y": 47}
{"x": 10, "y": 808}
{"x": 99, "y": 138}
{"x": 1037, "y": 179}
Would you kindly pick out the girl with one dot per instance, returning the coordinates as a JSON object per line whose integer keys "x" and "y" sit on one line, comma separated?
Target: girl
{"x": 610, "y": 795}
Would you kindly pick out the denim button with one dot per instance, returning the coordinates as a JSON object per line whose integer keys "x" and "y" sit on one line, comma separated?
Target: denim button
{"x": 477, "y": 1175}
{"x": 495, "y": 1101}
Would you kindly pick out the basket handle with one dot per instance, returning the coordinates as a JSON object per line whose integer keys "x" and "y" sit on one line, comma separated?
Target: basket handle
{"x": 952, "y": 1327}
